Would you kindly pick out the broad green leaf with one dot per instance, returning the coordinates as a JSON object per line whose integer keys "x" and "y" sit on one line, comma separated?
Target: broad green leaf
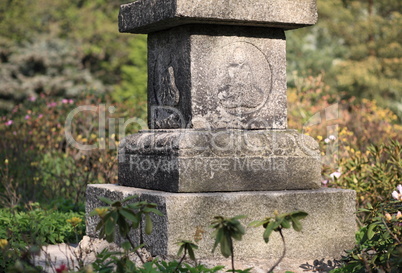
{"x": 126, "y": 246}
{"x": 271, "y": 226}
{"x": 257, "y": 223}
{"x": 218, "y": 238}
{"x": 299, "y": 214}
{"x": 157, "y": 212}
{"x": 285, "y": 223}
{"x": 148, "y": 224}
{"x": 191, "y": 253}
{"x": 110, "y": 223}
{"x": 106, "y": 200}
{"x": 129, "y": 198}
{"x": 128, "y": 214}
{"x": 180, "y": 250}
{"x": 225, "y": 246}
{"x": 370, "y": 231}
{"x": 296, "y": 224}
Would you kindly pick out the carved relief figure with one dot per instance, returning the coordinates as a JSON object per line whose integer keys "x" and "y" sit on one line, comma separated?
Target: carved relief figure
{"x": 167, "y": 96}
{"x": 239, "y": 90}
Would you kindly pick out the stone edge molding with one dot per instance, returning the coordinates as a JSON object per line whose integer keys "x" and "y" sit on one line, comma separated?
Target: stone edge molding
{"x": 183, "y": 160}
{"x": 145, "y": 16}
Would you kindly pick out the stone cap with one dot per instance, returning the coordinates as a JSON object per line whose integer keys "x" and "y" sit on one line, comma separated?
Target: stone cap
{"x": 145, "y": 16}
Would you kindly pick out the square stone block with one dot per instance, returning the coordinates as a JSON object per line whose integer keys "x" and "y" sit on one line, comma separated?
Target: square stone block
{"x": 228, "y": 160}
{"x": 146, "y": 16}
{"x": 214, "y": 77}
{"x": 327, "y": 231}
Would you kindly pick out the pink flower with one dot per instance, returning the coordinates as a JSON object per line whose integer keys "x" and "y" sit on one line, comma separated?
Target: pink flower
{"x": 27, "y": 117}
{"x": 40, "y": 116}
{"x": 52, "y": 104}
{"x": 32, "y": 98}
{"x": 8, "y": 123}
{"x": 15, "y": 133}
{"x": 64, "y": 101}
{"x": 70, "y": 101}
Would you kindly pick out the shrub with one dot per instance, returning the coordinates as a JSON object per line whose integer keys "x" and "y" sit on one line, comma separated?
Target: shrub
{"x": 41, "y": 165}
{"x": 26, "y": 231}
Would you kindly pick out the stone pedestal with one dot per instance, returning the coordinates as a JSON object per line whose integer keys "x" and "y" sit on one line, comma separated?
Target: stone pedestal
{"x": 327, "y": 231}
{"x": 218, "y": 142}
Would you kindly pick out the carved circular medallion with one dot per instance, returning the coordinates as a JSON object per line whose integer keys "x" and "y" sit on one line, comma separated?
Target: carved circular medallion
{"x": 242, "y": 78}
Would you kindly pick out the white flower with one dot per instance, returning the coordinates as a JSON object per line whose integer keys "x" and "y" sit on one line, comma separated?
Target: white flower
{"x": 398, "y": 195}
{"x": 395, "y": 195}
{"x": 327, "y": 140}
{"x": 335, "y": 175}
{"x": 332, "y": 137}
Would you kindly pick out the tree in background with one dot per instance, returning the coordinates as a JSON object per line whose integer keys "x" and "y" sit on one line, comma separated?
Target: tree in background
{"x": 358, "y": 45}
{"x": 62, "y": 47}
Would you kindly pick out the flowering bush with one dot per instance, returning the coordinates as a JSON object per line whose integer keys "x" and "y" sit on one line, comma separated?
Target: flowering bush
{"x": 346, "y": 130}
{"x": 379, "y": 241}
{"x": 41, "y": 165}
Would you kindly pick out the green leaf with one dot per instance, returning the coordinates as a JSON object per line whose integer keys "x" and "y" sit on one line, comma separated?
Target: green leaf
{"x": 180, "y": 250}
{"x": 110, "y": 223}
{"x": 129, "y": 198}
{"x": 257, "y": 223}
{"x": 299, "y": 214}
{"x": 271, "y": 226}
{"x": 296, "y": 224}
{"x": 157, "y": 212}
{"x": 191, "y": 253}
{"x": 225, "y": 246}
{"x": 148, "y": 224}
{"x": 129, "y": 214}
{"x": 106, "y": 200}
{"x": 218, "y": 238}
{"x": 285, "y": 223}
{"x": 126, "y": 246}
{"x": 239, "y": 217}
{"x": 370, "y": 231}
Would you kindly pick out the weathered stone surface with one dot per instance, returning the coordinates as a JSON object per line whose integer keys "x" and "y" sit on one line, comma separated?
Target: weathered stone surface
{"x": 227, "y": 160}
{"x": 327, "y": 231}
{"x": 223, "y": 77}
{"x": 146, "y": 16}
{"x": 92, "y": 202}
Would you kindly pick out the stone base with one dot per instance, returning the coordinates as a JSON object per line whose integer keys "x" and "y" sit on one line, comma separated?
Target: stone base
{"x": 327, "y": 231}
{"x": 217, "y": 161}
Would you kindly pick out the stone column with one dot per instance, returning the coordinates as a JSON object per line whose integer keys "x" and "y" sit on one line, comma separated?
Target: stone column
{"x": 218, "y": 142}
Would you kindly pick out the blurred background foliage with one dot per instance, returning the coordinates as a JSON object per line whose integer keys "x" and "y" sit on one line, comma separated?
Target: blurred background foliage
{"x": 57, "y": 55}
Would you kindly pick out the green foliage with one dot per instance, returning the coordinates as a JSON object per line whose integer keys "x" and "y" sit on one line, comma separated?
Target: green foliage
{"x": 27, "y": 231}
{"x": 133, "y": 87}
{"x": 187, "y": 247}
{"x": 41, "y": 165}
{"x": 280, "y": 221}
{"x": 358, "y": 48}
{"x": 85, "y": 49}
{"x": 48, "y": 225}
{"x": 46, "y": 65}
{"x": 105, "y": 261}
{"x": 375, "y": 174}
{"x": 378, "y": 243}
{"x": 124, "y": 216}
{"x": 226, "y": 229}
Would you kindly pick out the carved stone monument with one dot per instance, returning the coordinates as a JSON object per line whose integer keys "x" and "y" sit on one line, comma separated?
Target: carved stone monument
{"x": 218, "y": 142}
